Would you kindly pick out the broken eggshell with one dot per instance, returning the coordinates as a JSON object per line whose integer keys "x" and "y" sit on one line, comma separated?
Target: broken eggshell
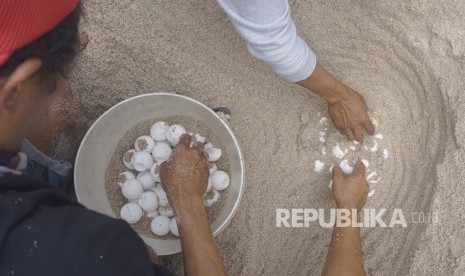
{"x": 146, "y": 179}
{"x": 155, "y": 172}
{"x": 131, "y": 213}
{"x": 214, "y": 154}
{"x": 220, "y": 180}
{"x": 132, "y": 189}
{"x": 211, "y": 197}
{"x": 160, "y": 225}
{"x": 162, "y": 199}
{"x": 125, "y": 176}
{"x": 158, "y": 131}
{"x": 174, "y": 133}
{"x": 144, "y": 143}
{"x": 142, "y": 161}
{"x": 174, "y": 227}
{"x": 212, "y": 167}
{"x": 165, "y": 211}
{"x": 127, "y": 157}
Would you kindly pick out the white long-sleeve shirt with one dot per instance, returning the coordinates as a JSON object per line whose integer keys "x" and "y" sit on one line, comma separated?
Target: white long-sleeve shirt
{"x": 271, "y": 35}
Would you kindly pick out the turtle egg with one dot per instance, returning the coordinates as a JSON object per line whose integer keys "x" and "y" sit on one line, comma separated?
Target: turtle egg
{"x": 161, "y": 152}
{"x": 127, "y": 157}
{"x": 146, "y": 179}
{"x": 155, "y": 172}
{"x": 160, "y": 225}
{"x": 132, "y": 189}
{"x": 220, "y": 180}
{"x": 213, "y": 154}
{"x": 125, "y": 176}
{"x": 158, "y": 131}
{"x": 162, "y": 199}
{"x": 165, "y": 211}
{"x": 148, "y": 201}
{"x": 174, "y": 133}
{"x": 212, "y": 167}
{"x": 144, "y": 143}
{"x": 174, "y": 227}
{"x": 142, "y": 161}
{"x": 131, "y": 213}
{"x": 210, "y": 201}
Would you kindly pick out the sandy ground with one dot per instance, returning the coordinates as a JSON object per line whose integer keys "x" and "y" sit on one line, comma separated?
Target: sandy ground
{"x": 407, "y": 59}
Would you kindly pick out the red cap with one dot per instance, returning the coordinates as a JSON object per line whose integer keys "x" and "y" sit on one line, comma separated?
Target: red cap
{"x": 23, "y": 21}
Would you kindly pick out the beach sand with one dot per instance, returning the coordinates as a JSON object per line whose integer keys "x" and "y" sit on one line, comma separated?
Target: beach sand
{"x": 407, "y": 59}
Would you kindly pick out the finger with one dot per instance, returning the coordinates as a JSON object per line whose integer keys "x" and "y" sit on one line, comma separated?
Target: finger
{"x": 369, "y": 127}
{"x": 198, "y": 146}
{"x": 337, "y": 174}
{"x": 349, "y": 134}
{"x": 358, "y": 134}
{"x": 184, "y": 141}
{"x": 359, "y": 168}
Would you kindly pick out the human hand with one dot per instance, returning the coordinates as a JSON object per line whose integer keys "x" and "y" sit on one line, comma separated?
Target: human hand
{"x": 350, "y": 191}
{"x": 185, "y": 175}
{"x": 349, "y": 114}
{"x": 152, "y": 255}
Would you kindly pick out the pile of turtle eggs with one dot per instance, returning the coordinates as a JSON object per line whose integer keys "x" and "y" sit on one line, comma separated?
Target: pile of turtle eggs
{"x": 141, "y": 183}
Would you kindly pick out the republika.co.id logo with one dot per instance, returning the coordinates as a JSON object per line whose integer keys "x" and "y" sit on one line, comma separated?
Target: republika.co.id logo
{"x": 296, "y": 218}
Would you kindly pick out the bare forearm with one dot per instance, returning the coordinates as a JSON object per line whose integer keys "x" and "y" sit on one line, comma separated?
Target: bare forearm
{"x": 200, "y": 254}
{"x": 321, "y": 82}
{"x": 345, "y": 255}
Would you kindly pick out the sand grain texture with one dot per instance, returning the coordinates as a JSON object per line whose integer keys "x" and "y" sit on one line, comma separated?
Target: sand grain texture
{"x": 406, "y": 58}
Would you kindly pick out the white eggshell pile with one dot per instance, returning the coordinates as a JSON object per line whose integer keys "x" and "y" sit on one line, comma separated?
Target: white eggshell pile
{"x": 141, "y": 183}
{"x": 345, "y": 155}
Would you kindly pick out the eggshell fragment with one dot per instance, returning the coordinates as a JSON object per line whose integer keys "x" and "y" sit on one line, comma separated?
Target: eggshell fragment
{"x": 160, "y": 225}
{"x": 212, "y": 167}
{"x": 220, "y": 180}
{"x": 148, "y": 201}
{"x": 132, "y": 189}
{"x": 346, "y": 168}
{"x": 174, "y": 227}
{"x": 199, "y": 138}
{"x": 209, "y": 184}
{"x": 142, "y": 161}
{"x": 127, "y": 157}
{"x": 146, "y": 179}
{"x": 162, "y": 199}
{"x": 131, "y": 213}
{"x": 337, "y": 152}
{"x": 125, "y": 176}
{"x": 174, "y": 133}
{"x": 144, "y": 143}
{"x": 165, "y": 211}
{"x": 319, "y": 165}
{"x": 214, "y": 196}
{"x": 152, "y": 214}
{"x": 155, "y": 172}
{"x": 158, "y": 131}
{"x": 161, "y": 152}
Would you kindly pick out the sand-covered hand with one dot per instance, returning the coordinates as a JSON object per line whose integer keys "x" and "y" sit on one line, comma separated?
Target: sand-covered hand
{"x": 186, "y": 174}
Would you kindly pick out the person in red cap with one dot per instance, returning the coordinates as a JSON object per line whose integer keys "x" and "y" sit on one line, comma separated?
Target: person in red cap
{"x": 42, "y": 230}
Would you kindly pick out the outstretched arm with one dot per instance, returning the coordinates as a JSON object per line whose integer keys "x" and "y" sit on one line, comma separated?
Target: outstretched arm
{"x": 345, "y": 256}
{"x": 184, "y": 179}
{"x": 271, "y": 36}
